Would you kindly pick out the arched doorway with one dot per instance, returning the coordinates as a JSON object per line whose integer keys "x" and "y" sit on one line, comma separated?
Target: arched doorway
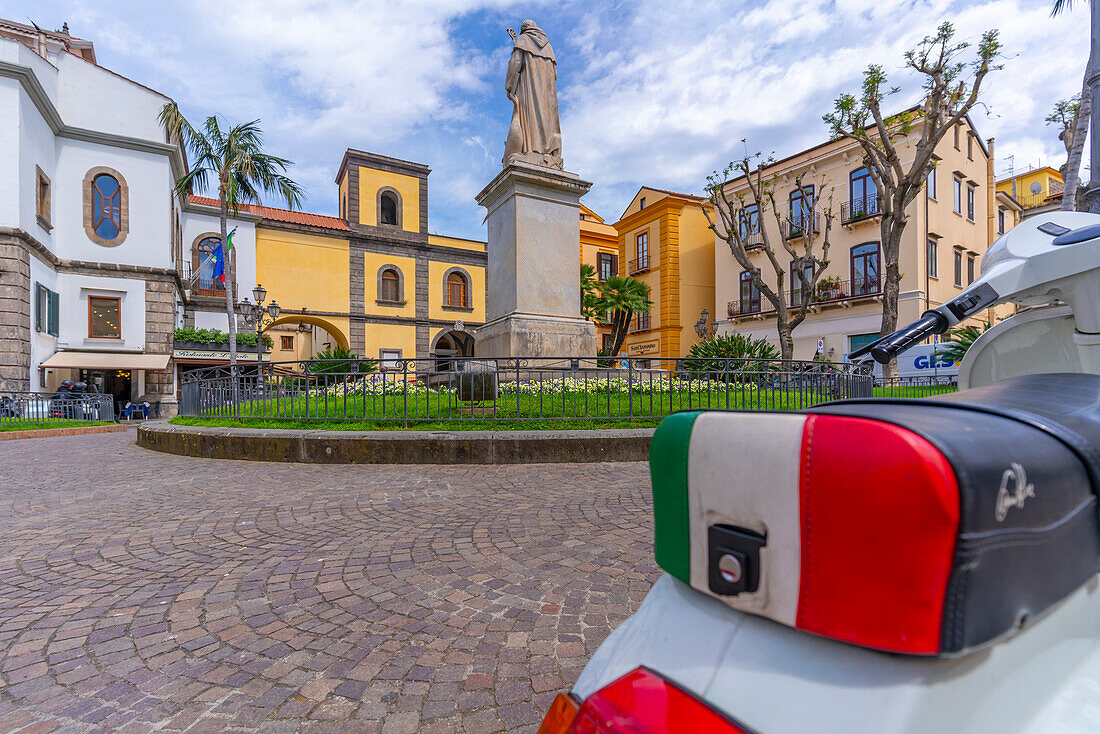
{"x": 449, "y": 344}
{"x": 338, "y": 334}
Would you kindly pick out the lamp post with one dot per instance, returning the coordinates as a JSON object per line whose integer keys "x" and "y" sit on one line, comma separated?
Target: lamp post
{"x": 254, "y": 315}
{"x": 701, "y": 325}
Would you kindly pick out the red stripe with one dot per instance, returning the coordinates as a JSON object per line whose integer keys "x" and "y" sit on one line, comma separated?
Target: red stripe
{"x": 880, "y": 515}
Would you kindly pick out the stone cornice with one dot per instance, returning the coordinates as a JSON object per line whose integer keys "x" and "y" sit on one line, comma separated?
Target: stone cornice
{"x": 42, "y": 102}
{"x": 536, "y": 177}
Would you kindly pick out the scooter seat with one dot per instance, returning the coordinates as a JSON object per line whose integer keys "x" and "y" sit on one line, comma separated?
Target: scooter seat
{"x": 925, "y": 527}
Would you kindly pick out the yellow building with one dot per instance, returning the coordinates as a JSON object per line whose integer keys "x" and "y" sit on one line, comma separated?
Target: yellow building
{"x": 600, "y": 249}
{"x": 663, "y": 240}
{"x": 372, "y": 280}
{"x": 1035, "y": 189}
{"x": 951, "y": 224}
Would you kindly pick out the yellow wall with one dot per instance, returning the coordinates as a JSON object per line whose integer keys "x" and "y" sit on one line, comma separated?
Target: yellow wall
{"x": 303, "y": 270}
{"x": 370, "y": 181}
{"x": 476, "y": 294}
{"x": 462, "y": 244}
{"x": 372, "y": 262}
{"x": 696, "y": 274}
{"x": 1042, "y": 176}
{"x": 391, "y": 336}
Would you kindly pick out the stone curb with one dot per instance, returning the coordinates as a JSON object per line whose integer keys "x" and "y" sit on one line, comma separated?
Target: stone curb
{"x": 47, "y": 432}
{"x": 399, "y": 447}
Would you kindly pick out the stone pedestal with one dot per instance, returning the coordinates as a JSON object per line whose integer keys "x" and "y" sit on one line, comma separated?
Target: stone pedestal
{"x": 534, "y": 294}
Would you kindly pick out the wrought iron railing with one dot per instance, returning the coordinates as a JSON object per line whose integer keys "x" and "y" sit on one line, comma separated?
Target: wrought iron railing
{"x": 423, "y": 391}
{"x": 825, "y": 292}
{"x": 27, "y": 408}
{"x": 858, "y": 210}
{"x": 797, "y": 224}
{"x": 638, "y": 265}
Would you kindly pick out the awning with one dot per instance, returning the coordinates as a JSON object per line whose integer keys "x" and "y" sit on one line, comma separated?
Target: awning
{"x": 107, "y": 361}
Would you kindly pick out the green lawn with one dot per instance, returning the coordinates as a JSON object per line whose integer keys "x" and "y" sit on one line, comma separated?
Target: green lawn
{"x": 4, "y": 427}
{"x": 532, "y": 409}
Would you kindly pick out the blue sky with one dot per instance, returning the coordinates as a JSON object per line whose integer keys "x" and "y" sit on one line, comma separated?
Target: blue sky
{"x": 650, "y": 92}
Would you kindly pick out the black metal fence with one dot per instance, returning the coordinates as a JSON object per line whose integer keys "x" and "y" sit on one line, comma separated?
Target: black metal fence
{"x": 513, "y": 389}
{"x": 27, "y": 408}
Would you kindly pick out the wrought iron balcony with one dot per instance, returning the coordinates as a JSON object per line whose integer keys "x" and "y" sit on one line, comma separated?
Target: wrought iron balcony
{"x": 827, "y": 291}
{"x": 796, "y": 225}
{"x": 858, "y": 210}
{"x": 638, "y": 265}
{"x": 745, "y": 307}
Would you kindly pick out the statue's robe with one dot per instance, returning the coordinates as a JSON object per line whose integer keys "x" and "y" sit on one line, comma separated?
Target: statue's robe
{"x": 534, "y": 135}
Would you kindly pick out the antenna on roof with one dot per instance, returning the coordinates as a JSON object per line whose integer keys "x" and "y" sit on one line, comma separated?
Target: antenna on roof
{"x": 65, "y": 28}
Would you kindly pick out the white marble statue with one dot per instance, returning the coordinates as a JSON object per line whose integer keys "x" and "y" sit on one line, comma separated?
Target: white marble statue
{"x": 534, "y": 136}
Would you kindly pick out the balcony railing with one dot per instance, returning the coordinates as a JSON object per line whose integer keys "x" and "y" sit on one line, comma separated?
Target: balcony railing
{"x": 208, "y": 287}
{"x": 753, "y": 239}
{"x": 825, "y": 292}
{"x": 796, "y": 225}
{"x": 857, "y": 210}
{"x": 639, "y": 265}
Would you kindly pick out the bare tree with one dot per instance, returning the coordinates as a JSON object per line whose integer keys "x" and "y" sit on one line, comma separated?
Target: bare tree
{"x": 948, "y": 97}
{"x": 740, "y": 223}
{"x": 1075, "y": 143}
{"x": 1064, "y": 116}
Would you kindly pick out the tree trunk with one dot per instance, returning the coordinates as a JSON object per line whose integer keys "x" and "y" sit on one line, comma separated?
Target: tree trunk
{"x": 891, "y": 286}
{"x": 786, "y": 343}
{"x": 229, "y": 302}
{"x": 1073, "y": 163}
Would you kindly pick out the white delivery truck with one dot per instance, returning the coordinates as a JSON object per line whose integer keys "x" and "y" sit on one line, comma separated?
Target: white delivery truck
{"x": 923, "y": 361}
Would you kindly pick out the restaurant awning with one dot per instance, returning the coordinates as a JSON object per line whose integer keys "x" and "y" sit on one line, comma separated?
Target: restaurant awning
{"x": 107, "y": 361}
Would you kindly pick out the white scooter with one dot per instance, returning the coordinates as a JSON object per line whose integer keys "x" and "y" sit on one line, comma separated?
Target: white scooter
{"x": 881, "y": 565}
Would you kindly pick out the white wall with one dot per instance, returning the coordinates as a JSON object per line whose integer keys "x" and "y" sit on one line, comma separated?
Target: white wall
{"x": 75, "y": 289}
{"x": 42, "y": 344}
{"x": 244, "y": 247}
{"x": 96, "y": 99}
{"x": 37, "y": 147}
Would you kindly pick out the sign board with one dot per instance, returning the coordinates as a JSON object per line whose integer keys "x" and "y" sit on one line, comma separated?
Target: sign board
{"x": 643, "y": 349}
{"x": 820, "y": 346}
{"x": 212, "y": 355}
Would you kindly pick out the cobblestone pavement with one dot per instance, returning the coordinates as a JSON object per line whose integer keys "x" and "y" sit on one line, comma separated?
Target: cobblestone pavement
{"x": 142, "y": 591}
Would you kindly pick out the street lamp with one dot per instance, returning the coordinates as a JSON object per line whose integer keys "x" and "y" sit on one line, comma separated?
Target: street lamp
{"x": 254, "y": 315}
{"x": 701, "y": 324}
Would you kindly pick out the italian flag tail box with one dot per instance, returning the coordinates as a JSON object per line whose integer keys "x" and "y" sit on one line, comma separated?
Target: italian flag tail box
{"x": 924, "y": 527}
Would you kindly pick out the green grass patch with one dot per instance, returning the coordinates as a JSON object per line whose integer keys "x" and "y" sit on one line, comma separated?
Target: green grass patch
{"x": 5, "y": 427}
{"x": 467, "y": 424}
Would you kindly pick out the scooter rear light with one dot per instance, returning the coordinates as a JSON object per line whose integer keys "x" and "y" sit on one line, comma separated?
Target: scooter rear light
{"x": 642, "y": 702}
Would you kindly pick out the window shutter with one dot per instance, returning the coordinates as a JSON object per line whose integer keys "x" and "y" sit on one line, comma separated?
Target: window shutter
{"x": 54, "y": 315}
{"x": 615, "y": 264}
{"x": 38, "y": 294}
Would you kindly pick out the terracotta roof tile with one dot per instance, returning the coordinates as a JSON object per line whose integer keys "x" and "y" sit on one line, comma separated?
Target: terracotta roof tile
{"x": 281, "y": 215}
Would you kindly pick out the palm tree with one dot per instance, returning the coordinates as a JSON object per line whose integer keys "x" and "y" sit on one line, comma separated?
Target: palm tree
{"x": 1081, "y": 124}
{"x": 243, "y": 170}
{"x": 590, "y": 293}
{"x": 622, "y": 297}
{"x": 959, "y": 340}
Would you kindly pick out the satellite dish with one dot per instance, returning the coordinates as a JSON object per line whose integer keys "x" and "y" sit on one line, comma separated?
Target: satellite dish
{"x": 1036, "y": 188}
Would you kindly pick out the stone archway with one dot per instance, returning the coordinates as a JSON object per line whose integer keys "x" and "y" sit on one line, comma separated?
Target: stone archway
{"x": 338, "y": 333}
{"x": 450, "y": 343}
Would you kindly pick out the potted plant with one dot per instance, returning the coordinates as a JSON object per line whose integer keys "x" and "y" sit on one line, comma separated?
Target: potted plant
{"x": 828, "y": 288}
{"x": 216, "y": 340}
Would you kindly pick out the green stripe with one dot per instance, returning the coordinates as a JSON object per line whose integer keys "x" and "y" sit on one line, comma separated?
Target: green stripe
{"x": 668, "y": 468}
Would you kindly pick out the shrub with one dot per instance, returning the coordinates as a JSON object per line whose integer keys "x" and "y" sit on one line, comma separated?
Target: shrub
{"x": 214, "y": 336}
{"x": 737, "y": 356}
{"x": 340, "y": 360}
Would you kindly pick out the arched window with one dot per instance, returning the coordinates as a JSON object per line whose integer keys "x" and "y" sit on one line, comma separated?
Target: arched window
{"x": 457, "y": 290}
{"x": 862, "y": 194}
{"x": 106, "y": 206}
{"x": 389, "y": 285}
{"x": 387, "y": 208}
{"x": 204, "y": 264}
{"x": 865, "y": 269}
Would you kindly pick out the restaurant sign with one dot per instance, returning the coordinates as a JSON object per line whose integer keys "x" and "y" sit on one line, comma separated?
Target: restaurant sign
{"x": 212, "y": 355}
{"x": 643, "y": 349}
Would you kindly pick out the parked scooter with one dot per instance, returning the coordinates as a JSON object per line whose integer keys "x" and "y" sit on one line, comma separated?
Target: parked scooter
{"x": 880, "y": 565}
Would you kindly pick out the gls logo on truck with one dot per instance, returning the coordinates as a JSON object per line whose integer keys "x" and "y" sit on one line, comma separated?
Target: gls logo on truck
{"x": 932, "y": 362}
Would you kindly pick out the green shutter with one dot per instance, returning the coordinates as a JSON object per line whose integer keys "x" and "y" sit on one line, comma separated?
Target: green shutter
{"x": 668, "y": 467}
{"x": 39, "y": 294}
{"x": 55, "y": 313}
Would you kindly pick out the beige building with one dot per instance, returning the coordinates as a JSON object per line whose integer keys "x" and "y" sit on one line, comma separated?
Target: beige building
{"x": 664, "y": 242}
{"x": 950, "y": 226}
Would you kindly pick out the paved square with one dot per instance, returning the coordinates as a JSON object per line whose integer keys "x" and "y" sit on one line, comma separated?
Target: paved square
{"x": 142, "y": 591}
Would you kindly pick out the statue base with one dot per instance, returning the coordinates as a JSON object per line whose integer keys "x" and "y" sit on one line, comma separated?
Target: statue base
{"x": 533, "y": 289}
{"x": 536, "y": 335}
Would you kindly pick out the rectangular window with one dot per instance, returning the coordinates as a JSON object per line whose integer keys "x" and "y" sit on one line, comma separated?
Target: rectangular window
{"x": 957, "y": 138}
{"x": 387, "y": 358}
{"x": 46, "y": 310}
{"x": 641, "y": 253}
{"x": 748, "y": 221}
{"x": 958, "y": 195}
{"x": 866, "y": 278}
{"x": 801, "y": 209}
{"x": 104, "y": 317}
{"x": 286, "y": 342}
{"x": 641, "y": 204}
{"x": 42, "y": 198}
{"x": 605, "y": 265}
{"x": 969, "y": 269}
{"x": 608, "y": 342}
{"x": 1000, "y": 220}
{"x": 958, "y": 268}
{"x": 970, "y": 202}
{"x": 797, "y": 287}
{"x": 970, "y": 147}
{"x": 641, "y": 321}
{"x": 750, "y": 295}
{"x": 933, "y": 259}
{"x": 932, "y": 183}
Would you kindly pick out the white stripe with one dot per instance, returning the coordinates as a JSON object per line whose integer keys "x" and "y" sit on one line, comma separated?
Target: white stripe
{"x": 743, "y": 470}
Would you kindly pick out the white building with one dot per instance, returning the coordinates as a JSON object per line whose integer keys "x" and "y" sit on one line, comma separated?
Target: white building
{"x": 91, "y": 232}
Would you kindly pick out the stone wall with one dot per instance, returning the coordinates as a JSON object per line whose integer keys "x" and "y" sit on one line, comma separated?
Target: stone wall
{"x": 15, "y": 315}
{"x": 160, "y": 302}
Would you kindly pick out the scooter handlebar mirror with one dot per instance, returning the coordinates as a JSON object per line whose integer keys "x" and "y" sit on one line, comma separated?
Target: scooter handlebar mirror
{"x": 885, "y": 349}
